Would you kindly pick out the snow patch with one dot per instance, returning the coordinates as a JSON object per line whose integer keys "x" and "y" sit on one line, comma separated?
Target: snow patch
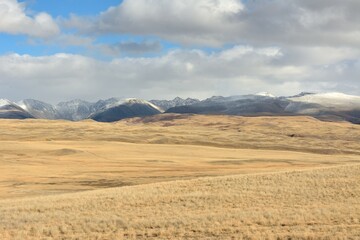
{"x": 141, "y": 101}
{"x": 335, "y": 100}
{"x": 265, "y": 94}
{"x": 131, "y": 101}
{"x": 22, "y": 105}
{"x": 4, "y": 102}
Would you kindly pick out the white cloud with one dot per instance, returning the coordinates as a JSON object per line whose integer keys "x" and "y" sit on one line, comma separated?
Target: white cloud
{"x": 193, "y": 73}
{"x": 185, "y": 21}
{"x": 218, "y": 22}
{"x": 13, "y": 20}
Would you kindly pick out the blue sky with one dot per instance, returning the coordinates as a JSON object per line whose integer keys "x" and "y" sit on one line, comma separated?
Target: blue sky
{"x": 63, "y": 8}
{"x": 59, "y": 50}
{"x": 23, "y": 44}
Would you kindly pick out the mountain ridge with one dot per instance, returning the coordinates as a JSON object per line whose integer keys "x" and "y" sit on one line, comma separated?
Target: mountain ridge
{"x": 11, "y": 110}
{"x": 331, "y": 106}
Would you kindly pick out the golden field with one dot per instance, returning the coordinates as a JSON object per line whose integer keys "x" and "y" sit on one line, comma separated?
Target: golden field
{"x": 310, "y": 204}
{"x": 180, "y": 176}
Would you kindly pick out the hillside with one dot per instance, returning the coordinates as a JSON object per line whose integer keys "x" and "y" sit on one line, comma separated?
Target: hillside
{"x": 42, "y": 157}
{"x": 180, "y": 176}
{"x": 313, "y": 204}
{"x": 126, "y": 109}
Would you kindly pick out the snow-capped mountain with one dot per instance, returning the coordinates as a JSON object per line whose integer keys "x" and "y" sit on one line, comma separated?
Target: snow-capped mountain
{"x": 39, "y": 109}
{"x": 176, "y": 102}
{"x": 334, "y": 101}
{"x": 77, "y": 110}
{"x": 11, "y": 110}
{"x": 126, "y": 109}
{"x": 104, "y": 104}
{"x": 329, "y": 106}
{"x": 255, "y": 104}
{"x": 74, "y": 110}
{"x": 325, "y": 106}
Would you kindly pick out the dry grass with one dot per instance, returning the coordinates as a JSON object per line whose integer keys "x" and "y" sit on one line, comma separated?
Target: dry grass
{"x": 311, "y": 204}
{"x": 304, "y": 134}
{"x": 40, "y": 157}
{"x": 259, "y": 195}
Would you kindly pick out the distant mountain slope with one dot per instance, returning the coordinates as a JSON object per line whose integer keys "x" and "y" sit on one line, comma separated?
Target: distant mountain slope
{"x": 327, "y": 106}
{"x": 74, "y": 110}
{"x": 102, "y": 104}
{"x": 10, "y": 110}
{"x": 235, "y": 105}
{"x": 176, "y": 102}
{"x": 39, "y": 109}
{"x": 333, "y": 101}
{"x": 126, "y": 109}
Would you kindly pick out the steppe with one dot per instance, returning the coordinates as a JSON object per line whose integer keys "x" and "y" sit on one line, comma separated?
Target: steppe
{"x": 180, "y": 176}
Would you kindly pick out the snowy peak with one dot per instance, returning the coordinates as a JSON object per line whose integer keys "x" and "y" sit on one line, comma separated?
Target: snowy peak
{"x": 328, "y": 95}
{"x": 114, "y": 102}
{"x": 334, "y": 100}
{"x": 5, "y": 102}
{"x": 265, "y": 94}
{"x": 176, "y": 102}
{"x": 127, "y": 108}
{"x": 38, "y": 109}
{"x": 10, "y": 110}
{"x": 132, "y": 101}
{"x": 128, "y": 101}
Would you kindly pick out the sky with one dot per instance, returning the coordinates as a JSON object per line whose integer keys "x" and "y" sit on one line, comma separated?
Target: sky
{"x": 54, "y": 50}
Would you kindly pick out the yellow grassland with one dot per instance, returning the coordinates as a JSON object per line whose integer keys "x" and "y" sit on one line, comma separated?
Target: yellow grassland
{"x": 180, "y": 176}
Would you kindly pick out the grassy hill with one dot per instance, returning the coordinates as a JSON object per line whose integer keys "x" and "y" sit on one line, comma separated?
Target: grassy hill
{"x": 311, "y": 204}
{"x": 180, "y": 176}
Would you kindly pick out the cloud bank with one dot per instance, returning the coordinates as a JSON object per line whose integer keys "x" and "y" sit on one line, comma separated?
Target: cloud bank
{"x": 194, "y": 73}
{"x": 223, "y": 47}
{"x": 214, "y": 22}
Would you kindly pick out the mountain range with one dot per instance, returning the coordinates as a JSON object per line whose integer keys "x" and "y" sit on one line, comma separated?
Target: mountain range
{"x": 324, "y": 106}
{"x": 109, "y": 110}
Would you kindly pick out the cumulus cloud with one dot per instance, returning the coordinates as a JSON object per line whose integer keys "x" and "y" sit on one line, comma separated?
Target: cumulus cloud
{"x": 185, "y": 21}
{"x": 215, "y": 23}
{"x": 194, "y": 73}
{"x": 14, "y": 20}
{"x": 302, "y": 22}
